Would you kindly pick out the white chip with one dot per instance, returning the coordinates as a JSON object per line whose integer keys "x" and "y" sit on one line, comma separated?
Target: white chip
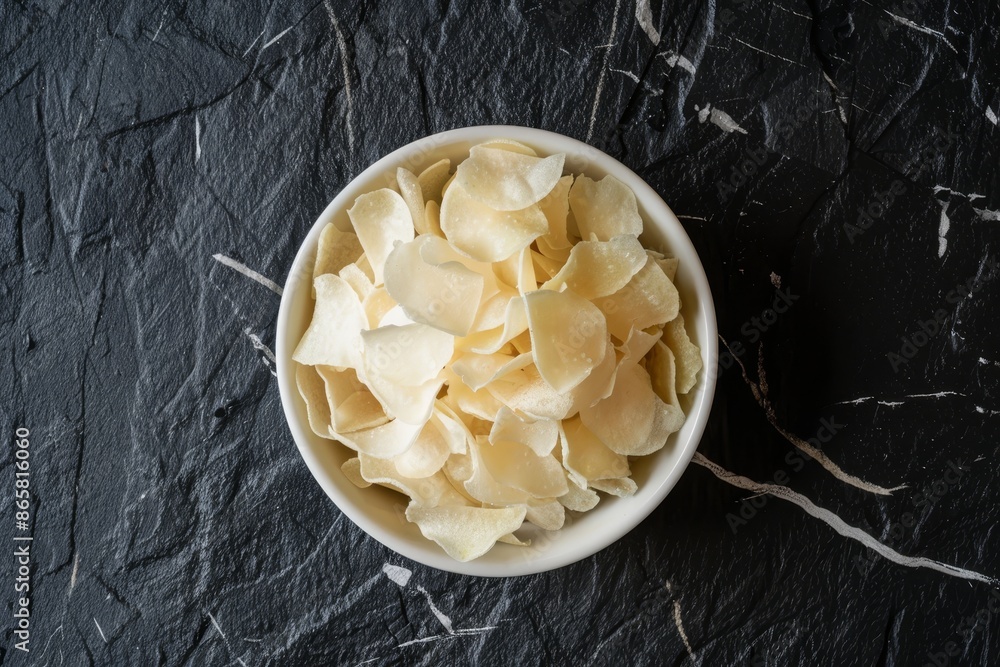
{"x": 479, "y": 370}
{"x": 687, "y": 355}
{"x": 483, "y": 485}
{"x": 352, "y": 405}
{"x": 313, "y": 392}
{"x": 555, "y": 206}
{"x": 427, "y": 455}
{"x": 381, "y": 218}
{"x": 465, "y": 533}
{"x": 409, "y": 190}
{"x": 579, "y": 500}
{"x": 585, "y": 455}
{"x": 622, "y": 487}
{"x": 427, "y": 492}
{"x": 599, "y": 268}
{"x": 352, "y": 471}
{"x": 486, "y": 234}
{"x": 383, "y": 442}
{"x": 509, "y": 145}
{"x": 336, "y": 249}
{"x": 433, "y": 178}
{"x": 526, "y": 393}
{"x": 506, "y": 180}
{"x": 516, "y": 466}
{"x": 540, "y": 435}
{"x": 401, "y": 365}
{"x": 648, "y": 299}
{"x": 568, "y": 337}
{"x": 605, "y": 208}
{"x": 546, "y": 514}
{"x": 445, "y": 296}
{"x": 358, "y": 281}
{"x": 334, "y": 335}
{"x": 515, "y": 322}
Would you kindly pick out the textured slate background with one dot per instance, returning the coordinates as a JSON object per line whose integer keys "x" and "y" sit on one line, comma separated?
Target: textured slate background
{"x": 173, "y": 520}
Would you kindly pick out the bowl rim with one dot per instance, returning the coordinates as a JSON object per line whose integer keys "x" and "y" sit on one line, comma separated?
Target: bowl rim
{"x": 698, "y": 412}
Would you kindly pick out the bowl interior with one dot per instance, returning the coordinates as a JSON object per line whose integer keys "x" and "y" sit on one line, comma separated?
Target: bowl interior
{"x": 379, "y": 511}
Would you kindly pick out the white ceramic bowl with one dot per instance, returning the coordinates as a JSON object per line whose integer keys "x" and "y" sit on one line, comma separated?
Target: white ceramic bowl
{"x": 379, "y": 512}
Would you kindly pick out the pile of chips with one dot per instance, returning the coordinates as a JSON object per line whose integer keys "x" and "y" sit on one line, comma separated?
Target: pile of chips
{"x": 495, "y": 343}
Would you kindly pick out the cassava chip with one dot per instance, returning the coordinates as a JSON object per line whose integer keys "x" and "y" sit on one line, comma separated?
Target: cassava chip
{"x": 313, "y": 392}
{"x": 465, "y": 533}
{"x": 623, "y": 487}
{"x": 506, "y": 180}
{"x": 599, "y": 268}
{"x": 334, "y": 335}
{"x": 546, "y": 514}
{"x": 401, "y": 365}
{"x": 568, "y": 336}
{"x": 649, "y": 298}
{"x": 427, "y": 492}
{"x": 352, "y": 471}
{"x": 432, "y": 180}
{"x": 486, "y": 234}
{"x": 427, "y": 455}
{"x": 540, "y": 435}
{"x": 380, "y": 218}
{"x": 604, "y": 208}
{"x": 516, "y": 466}
{"x": 409, "y": 190}
{"x": 579, "y": 500}
{"x": 687, "y": 355}
{"x": 478, "y": 370}
{"x": 336, "y": 250}
{"x": 445, "y": 296}
{"x": 583, "y": 453}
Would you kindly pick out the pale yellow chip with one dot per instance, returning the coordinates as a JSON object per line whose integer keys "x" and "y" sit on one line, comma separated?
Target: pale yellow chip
{"x": 481, "y": 404}
{"x": 352, "y": 471}
{"x": 633, "y": 420}
{"x": 509, "y": 145}
{"x": 599, "y": 268}
{"x": 637, "y": 345}
{"x": 669, "y": 266}
{"x": 623, "y": 487}
{"x": 427, "y": 492}
{"x": 401, "y": 366}
{"x": 376, "y": 305}
{"x": 427, "y": 455}
{"x": 604, "y": 208}
{"x": 540, "y": 435}
{"x": 599, "y": 383}
{"x": 352, "y": 405}
{"x": 488, "y": 342}
{"x": 505, "y": 180}
{"x": 486, "y": 234}
{"x": 444, "y": 296}
{"x": 687, "y": 355}
{"x": 478, "y": 370}
{"x": 336, "y": 250}
{"x": 358, "y": 281}
{"x": 568, "y": 336}
{"x": 334, "y": 335}
{"x": 383, "y": 442}
{"x": 555, "y": 206}
{"x": 513, "y": 539}
{"x": 432, "y": 217}
{"x": 526, "y": 393}
{"x": 481, "y": 483}
{"x": 412, "y": 194}
{"x": 432, "y": 180}
{"x": 547, "y": 514}
{"x": 584, "y": 454}
{"x": 380, "y": 218}
{"x": 516, "y": 466}
{"x": 465, "y": 533}
{"x": 313, "y": 392}
{"x": 579, "y": 500}
{"x": 454, "y": 431}
{"x": 648, "y": 299}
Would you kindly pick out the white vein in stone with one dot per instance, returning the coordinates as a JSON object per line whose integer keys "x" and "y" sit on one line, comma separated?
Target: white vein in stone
{"x": 644, "y": 15}
{"x": 766, "y": 53}
{"x": 675, "y": 59}
{"x": 839, "y": 524}
{"x": 902, "y": 20}
{"x": 441, "y": 617}
{"x": 276, "y": 38}
{"x": 991, "y": 116}
{"x": 197, "y": 139}
{"x": 760, "y": 394}
{"x": 397, "y": 575}
{"x": 987, "y": 214}
{"x": 604, "y": 67}
{"x": 719, "y": 118}
{"x": 680, "y": 626}
{"x": 346, "y": 71}
{"x": 248, "y": 272}
{"x": 943, "y": 230}
{"x": 99, "y": 630}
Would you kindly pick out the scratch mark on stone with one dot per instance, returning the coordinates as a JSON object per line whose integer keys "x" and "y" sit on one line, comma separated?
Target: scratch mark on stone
{"x": 838, "y": 524}
{"x": 692, "y": 217}
{"x": 680, "y": 625}
{"x": 76, "y": 568}
{"x": 275, "y": 38}
{"x": 970, "y": 196}
{"x": 790, "y": 11}
{"x": 865, "y": 399}
{"x": 100, "y": 630}
{"x": 766, "y": 53}
{"x": 163, "y": 17}
{"x": 346, "y": 70}
{"x": 256, "y": 39}
{"x": 644, "y": 15}
{"x": 458, "y": 633}
{"x": 841, "y": 114}
{"x": 902, "y": 20}
{"x": 223, "y": 635}
{"x": 760, "y": 394}
{"x": 604, "y": 67}
{"x": 259, "y": 345}
{"x": 248, "y": 272}
{"x": 197, "y": 139}
{"x": 626, "y": 73}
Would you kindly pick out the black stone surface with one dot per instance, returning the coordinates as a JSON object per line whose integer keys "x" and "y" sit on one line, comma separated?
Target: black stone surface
{"x": 173, "y": 520}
